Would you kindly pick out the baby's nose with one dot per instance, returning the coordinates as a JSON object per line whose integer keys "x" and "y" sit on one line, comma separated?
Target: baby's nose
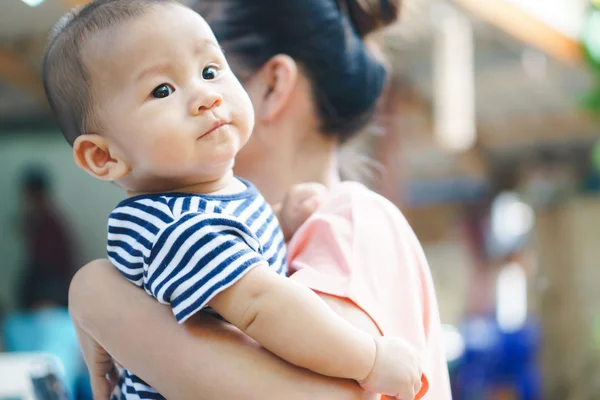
{"x": 206, "y": 102}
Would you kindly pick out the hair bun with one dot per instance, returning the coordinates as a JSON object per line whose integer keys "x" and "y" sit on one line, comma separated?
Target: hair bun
{"x": 368, "y": 16}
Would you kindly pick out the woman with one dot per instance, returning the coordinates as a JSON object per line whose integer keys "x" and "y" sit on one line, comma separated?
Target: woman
{"x": 313, "y": 85}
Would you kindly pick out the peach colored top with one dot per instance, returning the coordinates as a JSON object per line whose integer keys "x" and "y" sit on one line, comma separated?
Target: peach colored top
{"x": 358, "y": 246}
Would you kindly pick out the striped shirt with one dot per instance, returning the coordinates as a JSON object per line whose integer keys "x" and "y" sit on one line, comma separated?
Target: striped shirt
{"x": 183, "y": 249}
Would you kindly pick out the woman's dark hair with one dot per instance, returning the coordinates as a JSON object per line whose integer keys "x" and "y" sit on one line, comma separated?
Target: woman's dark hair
{"x": 324, "y": 36}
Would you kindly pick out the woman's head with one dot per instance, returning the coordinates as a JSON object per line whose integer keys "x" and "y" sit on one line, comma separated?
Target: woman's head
{"x": 322, "y": 36}
{"x": 311, "y": 56}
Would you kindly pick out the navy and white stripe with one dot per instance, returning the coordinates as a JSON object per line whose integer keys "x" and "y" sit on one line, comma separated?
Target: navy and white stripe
{"x": 184, "y": 249}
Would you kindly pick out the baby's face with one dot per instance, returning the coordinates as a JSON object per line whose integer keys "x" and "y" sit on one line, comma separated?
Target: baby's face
{"x": 167, "y": 100}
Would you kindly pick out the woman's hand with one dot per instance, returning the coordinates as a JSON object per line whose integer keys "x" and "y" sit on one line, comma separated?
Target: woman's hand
{"x": 102, "y": 369}
{"x": 100, "y": 364}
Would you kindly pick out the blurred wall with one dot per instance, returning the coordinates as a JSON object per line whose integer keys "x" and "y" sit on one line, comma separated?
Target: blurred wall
{"x": 84, "y": 202}
{"x": 451, "y": 269}
{"x": 567, "y": 241}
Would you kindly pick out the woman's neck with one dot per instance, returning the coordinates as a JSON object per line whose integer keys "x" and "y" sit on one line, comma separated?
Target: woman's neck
{"x": 315, "y": 167}
{"x": 312, "y": 161}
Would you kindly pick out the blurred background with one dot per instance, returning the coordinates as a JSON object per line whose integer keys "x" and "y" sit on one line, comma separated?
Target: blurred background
{"x": 487, "y": 139}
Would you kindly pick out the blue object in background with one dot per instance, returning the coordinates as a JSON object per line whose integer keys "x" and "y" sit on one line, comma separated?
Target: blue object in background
{"x": 495, "y": 361}
{"x": 47, "y": 330}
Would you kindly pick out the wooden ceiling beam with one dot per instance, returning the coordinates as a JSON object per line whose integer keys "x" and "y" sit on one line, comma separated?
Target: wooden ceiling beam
{"x": 74, "y": 3}
{"x": 527, "y": 130}
{"x": 16, "y": 71}
{"x": 525, "y": 28}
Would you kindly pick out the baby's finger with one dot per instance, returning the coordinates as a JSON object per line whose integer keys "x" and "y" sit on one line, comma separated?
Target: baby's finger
{"x": 417, "y": 388}
{"x": 407, "y": 394}
{"x": 310, "y": 205}
{"x": 304, "y": 191}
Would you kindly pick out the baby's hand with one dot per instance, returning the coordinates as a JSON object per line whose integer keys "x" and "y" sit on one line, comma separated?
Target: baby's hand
{"x": 396, "y": 372}
{"x": 299, "y": 204}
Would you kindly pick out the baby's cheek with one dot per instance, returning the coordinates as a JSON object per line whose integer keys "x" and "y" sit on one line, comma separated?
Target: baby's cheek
{"x": 158, "y": 152}
{"x": 173, "y": 151}
{"x": 246, "y": 124}
{"x": 242, "y": 110}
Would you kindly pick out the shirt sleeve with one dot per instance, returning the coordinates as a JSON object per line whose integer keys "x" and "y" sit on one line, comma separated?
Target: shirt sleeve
{"x": 129, "y": 242}
{"x": 197, "y": 257}
{"x": 359, "y": 247}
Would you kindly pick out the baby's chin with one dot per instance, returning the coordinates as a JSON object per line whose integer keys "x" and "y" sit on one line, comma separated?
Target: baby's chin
{"x": 220, "y": 158}
{"x": 219, "y": 169}
{"x": 179, "y": 173}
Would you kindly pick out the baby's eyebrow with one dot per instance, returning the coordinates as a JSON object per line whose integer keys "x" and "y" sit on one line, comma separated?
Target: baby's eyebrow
{"x": 209, "y": 43}
{"x": 154, "y": 70}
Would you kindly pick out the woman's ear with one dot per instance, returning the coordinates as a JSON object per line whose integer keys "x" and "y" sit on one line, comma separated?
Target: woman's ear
{"x": 279, "y": 78}
{"x": 92, "y": 154}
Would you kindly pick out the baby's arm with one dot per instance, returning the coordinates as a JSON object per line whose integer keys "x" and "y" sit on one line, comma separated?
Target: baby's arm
{"x": 295, "y": 324}
{"x": 210, "y": 259}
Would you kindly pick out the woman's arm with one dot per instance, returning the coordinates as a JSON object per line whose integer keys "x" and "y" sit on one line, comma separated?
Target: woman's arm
{"x": 205, "y": 359}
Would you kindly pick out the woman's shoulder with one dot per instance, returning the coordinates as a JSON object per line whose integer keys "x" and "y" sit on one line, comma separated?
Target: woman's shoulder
{"x": 357, "y": 220}
{"x": 360, "y": 201}
{"x": 352, "y": 190}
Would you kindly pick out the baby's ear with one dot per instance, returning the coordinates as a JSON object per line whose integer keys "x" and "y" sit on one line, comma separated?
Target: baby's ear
{"x": 92, "y": 154}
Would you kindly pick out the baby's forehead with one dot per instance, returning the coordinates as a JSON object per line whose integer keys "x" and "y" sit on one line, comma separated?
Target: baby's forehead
{"x": 115, "y": 56}
{"x": 150, "y": 34}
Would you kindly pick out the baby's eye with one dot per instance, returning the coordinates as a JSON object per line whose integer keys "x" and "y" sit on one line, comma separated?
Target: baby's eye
{"x": 162, "y": 91}
{"x": 209, "y": 73}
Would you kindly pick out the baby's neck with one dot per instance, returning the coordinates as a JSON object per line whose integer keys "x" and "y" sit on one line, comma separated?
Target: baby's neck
{"x": 227, "y": 184}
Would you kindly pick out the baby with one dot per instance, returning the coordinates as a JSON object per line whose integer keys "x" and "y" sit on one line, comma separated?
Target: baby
{"x": 143, "y": 93}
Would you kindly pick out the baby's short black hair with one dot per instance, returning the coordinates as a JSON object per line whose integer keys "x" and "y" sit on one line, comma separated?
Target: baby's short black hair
{"x": 64, "y": 74}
